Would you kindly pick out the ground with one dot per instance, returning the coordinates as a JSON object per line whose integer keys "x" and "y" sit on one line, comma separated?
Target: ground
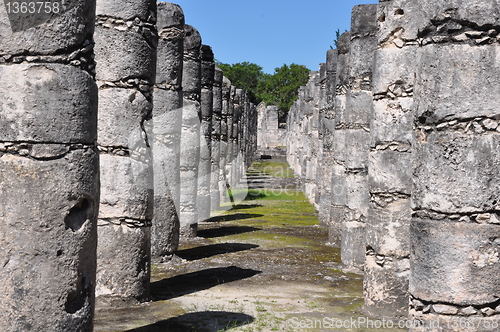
{"x": 264, "y": 265}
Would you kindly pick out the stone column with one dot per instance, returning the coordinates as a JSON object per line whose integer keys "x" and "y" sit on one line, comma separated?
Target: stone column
{"x": 205, "y": 166}
{"x": 230, "y": 137}
{"x": 167, "y": 124}
{"x": 126, "y": 56}
{"x": 455, "y": 227}
{"x": 190, "y": 139}
{"x": 323, "y": 174}
{"x": 310, "y": 135}
{"x": 49, "y": 178}
{"x": 216, "y": 140}
{"x": 339, "y": 196}
{"x": 327, "y": 127}
{"x": 235, "y": 135}
{"x": 356, "y": 120}
{"x": 387, "y": 265}
{"x": 224, "y": 146}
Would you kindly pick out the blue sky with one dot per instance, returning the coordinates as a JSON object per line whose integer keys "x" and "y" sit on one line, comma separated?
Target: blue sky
{"x": 270, "y": 33}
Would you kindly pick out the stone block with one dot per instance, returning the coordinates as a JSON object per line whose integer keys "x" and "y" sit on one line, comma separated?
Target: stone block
{"x": 390, "y": 172}
{"x": 392, "y": 121}
{"x": 169, "y": 59}
{"x": 400, "y": 19}
{"x": 44, "y": 34}
{"x": 361, "y": 54}
{"x": 394, "y": 67}
{"x": 340, "y": 148}
{"x": 456, "y": 172}
{"x": 357, "y": 149}
{"x": 126, "y": 9}
{"x": 358, "y": 107}
{"x": 126, "y": 188}
{"x": 121, "y": 116}
{"x": 481, "y": 13}
{"x": 122, "y": 55}
{"x": 339, "y": 193}
{"x": 464, "y": 88}
{"x": 385, "y": 288}
{"x": 192, "y": 39}
{"x": 49, "y": 103}
{"x": 191, "y": 77}
{"x": 352, "y": 248}
{"x": 358, "y": 197}
{"x": 454, "y": 262}
{"x": 388, "y": 227}
{"x": 363, "y": 20}
{"x": 124, "y": 258}
{"x": 167, "y": 112}
{"x": 169, "y": 15}
{"x": 165, "y": 227}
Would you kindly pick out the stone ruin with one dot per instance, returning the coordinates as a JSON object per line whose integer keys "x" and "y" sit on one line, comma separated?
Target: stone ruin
{"x": 116, "y": 125}
{"x": 269, "y": 133}
{"x": 118, "y": 134}
{"x": 396, "y": 142}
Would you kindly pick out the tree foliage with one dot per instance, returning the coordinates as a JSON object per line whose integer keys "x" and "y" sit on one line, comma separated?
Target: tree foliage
{"x": 244, "y": 75}
{"x": 336, "y": 40}
{"x": 280, "y": 88}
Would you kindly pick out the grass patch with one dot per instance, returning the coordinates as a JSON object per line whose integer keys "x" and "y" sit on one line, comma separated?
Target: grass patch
{"x": 271, "y": 168}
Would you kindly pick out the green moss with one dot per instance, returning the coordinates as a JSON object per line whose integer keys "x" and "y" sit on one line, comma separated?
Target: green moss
{"x": 271, "y": 168}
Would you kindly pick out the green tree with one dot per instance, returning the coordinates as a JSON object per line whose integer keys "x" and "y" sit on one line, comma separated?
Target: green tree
{"x": 281, "y": 88}
{"x": 245, "y": 75}
{"x": 336, "y": 40}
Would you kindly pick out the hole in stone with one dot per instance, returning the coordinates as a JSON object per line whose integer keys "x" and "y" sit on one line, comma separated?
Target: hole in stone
{"x": 77, "y": 215}
{"x": 76, "y": 300}
{"x": 381, "y": 18}
{"x": 59, "y": 252}
{"x": 399, "y": 12}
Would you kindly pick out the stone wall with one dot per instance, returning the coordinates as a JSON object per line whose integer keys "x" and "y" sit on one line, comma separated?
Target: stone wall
{"x": 411, "y": 138}
{"x": 99, "y": 178}
{"x": 269, "y": 133}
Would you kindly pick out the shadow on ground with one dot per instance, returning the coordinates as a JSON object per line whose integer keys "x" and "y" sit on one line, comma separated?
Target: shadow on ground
{"x": 226, "y": 230}
{"x": 213, "y": 321}
{"x": 188, "y": 283}
{"x": 213, "y": 250}
{"x": 245, "y": 206}
{"x": 234, "y": 217}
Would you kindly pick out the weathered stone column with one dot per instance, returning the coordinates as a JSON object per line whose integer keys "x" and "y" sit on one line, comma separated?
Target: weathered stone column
{"x": 356, "y": 121}
{"x": 205, "y": 166}
{"x": 235, "y": 135}
{"x": 455, "y": 227}
{"x": 49, "y": 178}
{"x": 224, "y": 139}
{"x": 339, "y": 195}
{"x": 230, "y": 137}
{"x": 126, "y": 56}
{"x": 387, "y": 264}
{"x": 327, "y": 125}
{"x": 190, "y": 139}
{"x": 325, "y": 135}
{"x": 310, "y": 132}
{"x": 216, "y": 140}
{"x": 167, "y": 124}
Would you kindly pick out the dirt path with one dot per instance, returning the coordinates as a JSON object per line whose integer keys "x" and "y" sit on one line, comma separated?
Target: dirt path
{"x": 262, "y": 266}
